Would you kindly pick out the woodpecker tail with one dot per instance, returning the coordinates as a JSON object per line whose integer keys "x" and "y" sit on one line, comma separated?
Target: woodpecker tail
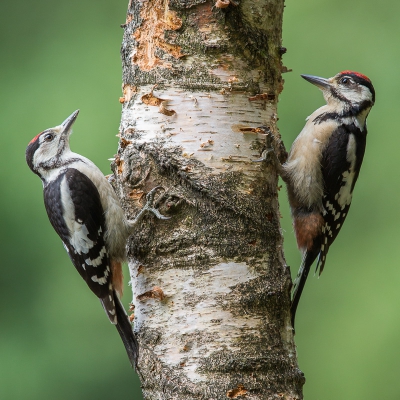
{"x": 117, "y": 315}
{"x": 300, "y": 281}
{"x": 125, "y": 330}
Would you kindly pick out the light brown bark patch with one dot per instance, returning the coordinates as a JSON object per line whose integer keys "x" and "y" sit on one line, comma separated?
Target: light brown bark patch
{"x": 157, "y": 18}
{"x": 136, "y": 194}
{"x": 120, "y": 164}
{"x": 164, "y": 110}
{"x": 150, "y": 99}
{"x": 128, "y": 92}
{"x": 234, "y": 393}
{"x": 222, "y": 3}
{"x": 155, "y": 293}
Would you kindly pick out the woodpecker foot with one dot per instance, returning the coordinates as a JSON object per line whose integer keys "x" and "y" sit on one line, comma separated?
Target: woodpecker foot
{"x": 269, "y": 155}
{"x": 149, "y": 204}
{"x": 266, "y": 156}
{"x": 273, "y": 144}
{"x": 149, "y": 207}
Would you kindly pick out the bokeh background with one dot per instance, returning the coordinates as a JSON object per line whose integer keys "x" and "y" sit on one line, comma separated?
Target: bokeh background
{"x": 55, "y": 342}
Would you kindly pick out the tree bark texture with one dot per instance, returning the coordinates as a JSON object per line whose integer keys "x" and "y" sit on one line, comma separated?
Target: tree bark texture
{"x": 211, "y": 287}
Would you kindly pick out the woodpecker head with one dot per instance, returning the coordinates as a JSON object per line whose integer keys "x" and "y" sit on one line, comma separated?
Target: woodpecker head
{"x": 46, "y": 150}
{"x": 347, "y": 89}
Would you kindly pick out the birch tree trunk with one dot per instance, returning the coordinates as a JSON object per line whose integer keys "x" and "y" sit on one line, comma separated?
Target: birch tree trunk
{"x": 211, "y": 287}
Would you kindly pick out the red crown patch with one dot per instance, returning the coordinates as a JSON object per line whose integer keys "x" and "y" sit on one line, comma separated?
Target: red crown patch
{"x": 35, "y": 138}
{"x": 355, "y": 73}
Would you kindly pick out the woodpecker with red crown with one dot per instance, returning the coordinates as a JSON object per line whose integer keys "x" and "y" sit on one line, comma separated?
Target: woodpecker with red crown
{"x": 85, "y": 212}
{"x": 323, "y": 166}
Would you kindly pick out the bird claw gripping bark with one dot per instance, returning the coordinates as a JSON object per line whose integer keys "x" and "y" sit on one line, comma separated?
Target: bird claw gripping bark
{"x": 268, "y": 155}
{"x": 148, "y": 208}
{"x": 274, "y": 152}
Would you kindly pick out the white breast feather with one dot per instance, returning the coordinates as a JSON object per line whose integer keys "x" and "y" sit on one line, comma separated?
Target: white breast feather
{"x": 304, "y": 155}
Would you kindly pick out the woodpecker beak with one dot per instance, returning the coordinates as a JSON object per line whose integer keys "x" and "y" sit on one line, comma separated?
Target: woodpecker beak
{"x": 321, "y": 83}
{"x": 67, "y": 124}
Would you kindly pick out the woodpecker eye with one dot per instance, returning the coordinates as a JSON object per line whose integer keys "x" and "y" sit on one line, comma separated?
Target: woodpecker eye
{"x": 48, "y": 137}
{"x": 346, "y": 81}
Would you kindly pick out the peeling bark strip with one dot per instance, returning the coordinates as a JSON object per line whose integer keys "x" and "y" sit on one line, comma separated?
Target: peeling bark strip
{"x": 211, "y": 287}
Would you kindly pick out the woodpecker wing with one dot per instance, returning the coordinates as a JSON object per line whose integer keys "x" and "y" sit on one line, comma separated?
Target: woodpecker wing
{"x": 80, "y": 223}
{"x": 341, "y": 161}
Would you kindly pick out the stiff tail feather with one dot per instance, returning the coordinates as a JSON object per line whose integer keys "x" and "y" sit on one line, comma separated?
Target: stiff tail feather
{"x": 300, "y": 281}
{"x": 125, "y": 330}
{"x": 118, "y": 317}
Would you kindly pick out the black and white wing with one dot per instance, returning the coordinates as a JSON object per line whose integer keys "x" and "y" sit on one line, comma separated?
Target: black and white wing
{"x": 341, "y": 162}
{"x": 80, "y": 223}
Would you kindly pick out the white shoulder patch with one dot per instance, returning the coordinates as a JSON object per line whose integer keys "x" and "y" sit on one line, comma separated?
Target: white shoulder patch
{"x": 78, "y": 232}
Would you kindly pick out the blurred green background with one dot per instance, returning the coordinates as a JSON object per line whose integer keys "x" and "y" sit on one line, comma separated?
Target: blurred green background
{"x": 60, "y": 56}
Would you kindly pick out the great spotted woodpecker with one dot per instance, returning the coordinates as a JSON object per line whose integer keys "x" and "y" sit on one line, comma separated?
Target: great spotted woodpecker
{"x": 323, "y": 166}
{"x": 85, "y": 212}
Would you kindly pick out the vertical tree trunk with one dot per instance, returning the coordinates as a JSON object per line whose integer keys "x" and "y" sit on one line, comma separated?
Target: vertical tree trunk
{"x": 211, "y": 288}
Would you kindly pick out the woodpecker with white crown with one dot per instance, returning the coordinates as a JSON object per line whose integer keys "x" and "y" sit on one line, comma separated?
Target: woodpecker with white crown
{"x": 85, "y": 212}
{"x": 323, "y": 166}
